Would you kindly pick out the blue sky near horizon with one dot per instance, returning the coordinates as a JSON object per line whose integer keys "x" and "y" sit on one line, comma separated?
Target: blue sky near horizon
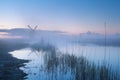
{"x": 74, "y": 16}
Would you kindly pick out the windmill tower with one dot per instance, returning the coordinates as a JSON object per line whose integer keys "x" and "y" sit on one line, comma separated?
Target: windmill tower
{"x": 32, "y": 31}
{"x": 32, "y": 39}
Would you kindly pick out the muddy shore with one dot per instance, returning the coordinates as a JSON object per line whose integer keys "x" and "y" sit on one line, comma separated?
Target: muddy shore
{"x": 9, "y": 65}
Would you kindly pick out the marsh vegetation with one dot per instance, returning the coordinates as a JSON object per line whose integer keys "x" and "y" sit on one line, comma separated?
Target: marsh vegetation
{"x": 58, "y": 65}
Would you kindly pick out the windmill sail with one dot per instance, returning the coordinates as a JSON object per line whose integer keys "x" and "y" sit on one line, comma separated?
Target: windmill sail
{"x": 32, "y": 31}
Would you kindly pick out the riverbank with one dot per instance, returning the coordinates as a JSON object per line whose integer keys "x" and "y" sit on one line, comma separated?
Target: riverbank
{"x": 10, "y": 66}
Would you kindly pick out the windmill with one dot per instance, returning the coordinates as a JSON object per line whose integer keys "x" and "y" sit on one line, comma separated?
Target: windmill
{"x": 32, "y": 38}
{"x": 32, "y": 30}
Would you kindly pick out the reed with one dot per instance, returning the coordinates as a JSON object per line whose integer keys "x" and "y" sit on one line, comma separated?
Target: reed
{"x": 71, "y": 67}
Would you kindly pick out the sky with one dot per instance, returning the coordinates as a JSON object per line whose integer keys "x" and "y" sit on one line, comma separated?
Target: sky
{"x": 73, "y": 16}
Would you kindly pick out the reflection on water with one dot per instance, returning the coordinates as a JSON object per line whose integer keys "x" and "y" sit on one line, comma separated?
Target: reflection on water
{"x": 87, "y": 63}
{"x": 95, "y": 53}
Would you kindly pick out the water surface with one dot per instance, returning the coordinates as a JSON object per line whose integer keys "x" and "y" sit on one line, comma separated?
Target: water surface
{"x": 94, "y": 54}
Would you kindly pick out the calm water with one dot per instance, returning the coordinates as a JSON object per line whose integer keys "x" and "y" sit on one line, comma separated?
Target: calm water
{"x": 95, "y": 54}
